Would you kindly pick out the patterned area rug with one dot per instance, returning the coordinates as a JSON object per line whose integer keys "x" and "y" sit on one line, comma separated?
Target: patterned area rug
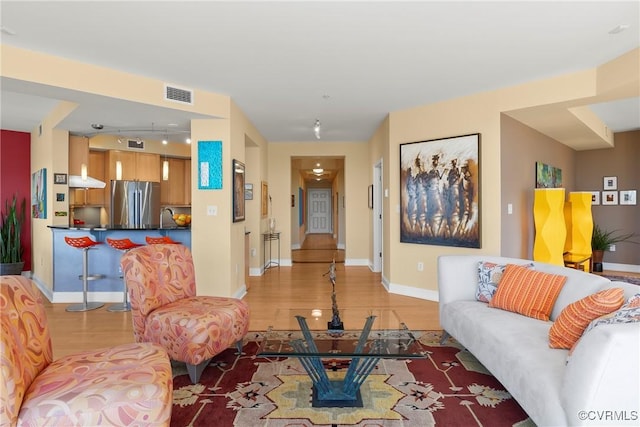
{"x": 628, "y": 279}
{"x": 449, "y": 387}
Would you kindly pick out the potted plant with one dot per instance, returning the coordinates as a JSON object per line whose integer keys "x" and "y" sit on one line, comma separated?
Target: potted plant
{"x": 11, "y": 249}
{"x": 601, "y": 240}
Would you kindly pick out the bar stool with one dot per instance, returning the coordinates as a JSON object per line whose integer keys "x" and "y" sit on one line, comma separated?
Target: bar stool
{"x": 85, "y": 244}
{"x": 155, "y": 240}
{"x": 122, "y": 245}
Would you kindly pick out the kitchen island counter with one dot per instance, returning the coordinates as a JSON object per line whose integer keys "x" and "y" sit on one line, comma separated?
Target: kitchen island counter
{"x": 103, "y": 259}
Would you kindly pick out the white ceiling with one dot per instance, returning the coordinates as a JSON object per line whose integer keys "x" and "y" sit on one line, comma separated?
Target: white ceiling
{"x": 286, "y": 64}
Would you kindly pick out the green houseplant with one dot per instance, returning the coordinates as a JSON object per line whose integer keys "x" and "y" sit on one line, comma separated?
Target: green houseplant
{"x": 602, "y": 239}
{"x": 11, "y": 249}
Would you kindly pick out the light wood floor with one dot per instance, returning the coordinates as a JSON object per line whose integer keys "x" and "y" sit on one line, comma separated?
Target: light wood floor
{"x": 321, "y": 247}
{"x": 300, "y": 286}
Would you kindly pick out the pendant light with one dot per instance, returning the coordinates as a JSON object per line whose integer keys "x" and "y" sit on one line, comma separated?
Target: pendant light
{"x": 165, "y": 169}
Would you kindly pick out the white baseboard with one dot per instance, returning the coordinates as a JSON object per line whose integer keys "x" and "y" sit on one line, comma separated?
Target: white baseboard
{"x": 409, "y": 291}
{"x": 356, "y": 262}
{"x": 631, "y": 268}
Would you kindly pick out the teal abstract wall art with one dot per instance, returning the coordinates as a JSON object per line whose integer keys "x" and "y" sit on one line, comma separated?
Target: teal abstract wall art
{"x": 209, "y": 165}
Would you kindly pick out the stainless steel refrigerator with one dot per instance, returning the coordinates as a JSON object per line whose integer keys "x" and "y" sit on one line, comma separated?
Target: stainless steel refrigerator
{"x": 135, "y": 204}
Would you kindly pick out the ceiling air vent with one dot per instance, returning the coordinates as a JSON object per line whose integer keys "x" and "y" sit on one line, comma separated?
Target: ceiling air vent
{"x": 172, "y": 93}
{"x": 136, "y": 143}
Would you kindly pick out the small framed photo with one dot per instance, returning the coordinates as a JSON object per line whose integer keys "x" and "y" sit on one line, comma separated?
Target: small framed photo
{"x": 60, "y": 178}
{"x": 59, "y": 197}
{"x": 610, "y": 183}
{"x": 628, "y": 197}
{"x": 595, "y": 198}
{"x": 609, "y": 197}
{"x": 248, "y": 191}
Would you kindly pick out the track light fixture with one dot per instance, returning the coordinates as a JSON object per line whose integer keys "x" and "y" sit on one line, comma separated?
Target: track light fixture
{"x": 316, "y": 129}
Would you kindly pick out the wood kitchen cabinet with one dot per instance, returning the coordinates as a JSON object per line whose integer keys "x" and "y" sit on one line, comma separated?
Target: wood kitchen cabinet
{"x": 96, "y": 196}
{"x": 135, "y": 166}
{"x": 187, "y": 181}
{"x": 148, "y": 167}
{"x": 177, "y": 189}
{"x": 78, "y": 154}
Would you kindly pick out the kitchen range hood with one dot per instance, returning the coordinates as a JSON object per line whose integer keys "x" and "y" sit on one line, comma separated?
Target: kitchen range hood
{"x": 76, "y": 181}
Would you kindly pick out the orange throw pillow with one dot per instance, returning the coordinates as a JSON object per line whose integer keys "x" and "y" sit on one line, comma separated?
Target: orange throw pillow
{"x": 528, "y": 292}
{"x": 574, "y": 318}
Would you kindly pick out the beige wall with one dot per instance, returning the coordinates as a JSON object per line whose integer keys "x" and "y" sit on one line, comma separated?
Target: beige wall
{"x": 49, "y": 150}
{"x": 521, "y": 148}
{"x": 357, "y": 176}
{"x": 622, "y": 162}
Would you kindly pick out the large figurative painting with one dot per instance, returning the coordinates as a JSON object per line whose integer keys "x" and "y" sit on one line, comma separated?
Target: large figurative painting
{"x": 440, "y": 192}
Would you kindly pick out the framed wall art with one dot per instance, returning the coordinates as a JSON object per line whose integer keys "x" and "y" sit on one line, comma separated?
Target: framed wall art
{"x": 610, "y": 183}
{"x": 264, "y": 199}
{"x": 595, "y": 198}
{"x": 238, "y": 191}
{"x": 548, "y": 176}
{"x": 370, "y": 197}
{"x": 440, "y": 191}
{"x": 209, "y": 165}
{"x": 628, "y": 197}
{"x": 609, "y": 197}
{"x": 60, "y": 178}
{"x": 248, "y": 191}
{"x": 39, "y": 194}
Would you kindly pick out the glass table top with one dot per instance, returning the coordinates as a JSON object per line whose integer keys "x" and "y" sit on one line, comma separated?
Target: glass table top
{"x": 388, "y": 336}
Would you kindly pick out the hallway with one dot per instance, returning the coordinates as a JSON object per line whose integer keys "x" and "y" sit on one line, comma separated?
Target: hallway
{"x": 318, "y": 248}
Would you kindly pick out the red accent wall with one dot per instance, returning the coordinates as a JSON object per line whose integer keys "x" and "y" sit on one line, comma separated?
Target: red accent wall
{"x": 15, "y": 178}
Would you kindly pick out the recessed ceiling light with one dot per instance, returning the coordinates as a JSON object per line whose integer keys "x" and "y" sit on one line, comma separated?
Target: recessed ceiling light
{"x": 97, "y": 126}
{"x": 620, "y": 28}
{"x": 172, "y": 125}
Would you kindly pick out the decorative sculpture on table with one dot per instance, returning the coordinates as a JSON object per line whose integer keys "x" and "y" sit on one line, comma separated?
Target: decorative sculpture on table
{"x": 335, "y": 323}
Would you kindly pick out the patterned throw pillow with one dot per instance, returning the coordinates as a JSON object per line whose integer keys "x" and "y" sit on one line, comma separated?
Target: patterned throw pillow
{"x": 489, "y": 275}
{"x": 628, "y": 313}
{"x": 528, "y": 292}
{"x": 574, "y": 318}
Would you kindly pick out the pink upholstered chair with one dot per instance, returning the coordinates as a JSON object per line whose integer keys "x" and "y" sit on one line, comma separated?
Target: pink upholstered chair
{"x": 129, "y": 384}
{"x": 166, "y": 311}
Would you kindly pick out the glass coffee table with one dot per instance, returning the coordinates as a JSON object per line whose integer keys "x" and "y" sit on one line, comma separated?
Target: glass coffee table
{"x": 369, "y": 335}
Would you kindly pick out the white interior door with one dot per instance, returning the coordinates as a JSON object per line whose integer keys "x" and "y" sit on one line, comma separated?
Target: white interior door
{"x": 319, "y": 208}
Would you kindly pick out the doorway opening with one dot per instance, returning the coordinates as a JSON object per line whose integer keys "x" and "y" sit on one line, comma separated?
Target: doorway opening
{"x": 317, "y": 214}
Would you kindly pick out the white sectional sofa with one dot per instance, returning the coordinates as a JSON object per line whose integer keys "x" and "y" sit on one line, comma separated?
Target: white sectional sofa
{"x": 597, "y": 384}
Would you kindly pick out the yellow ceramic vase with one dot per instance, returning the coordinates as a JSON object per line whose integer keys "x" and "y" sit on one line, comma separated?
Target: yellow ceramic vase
{"x": 579, "y": 225}
{"x": 551, "y": 231}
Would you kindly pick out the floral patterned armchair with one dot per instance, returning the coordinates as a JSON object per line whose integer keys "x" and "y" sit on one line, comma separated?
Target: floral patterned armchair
{"x": 160, "y": 279}
{"x": 129, "y": 384}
